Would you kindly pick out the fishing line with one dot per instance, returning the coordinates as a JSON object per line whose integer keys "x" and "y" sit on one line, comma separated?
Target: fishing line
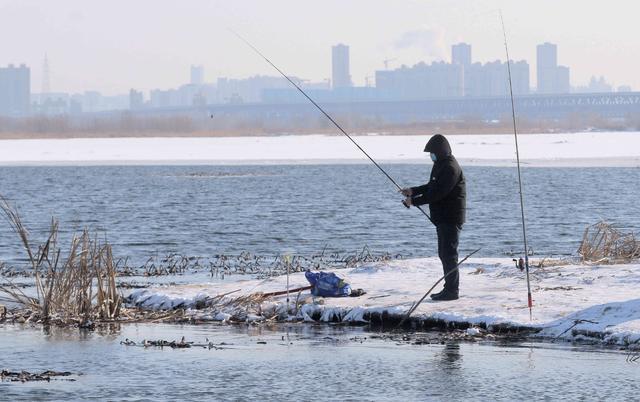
{"x": 328, "y": 117}
{"x": 515, "y": 134}
{"x": 412, "y": 309}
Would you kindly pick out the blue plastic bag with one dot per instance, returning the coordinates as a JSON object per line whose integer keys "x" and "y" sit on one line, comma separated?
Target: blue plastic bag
{"x": 327, "y": 284}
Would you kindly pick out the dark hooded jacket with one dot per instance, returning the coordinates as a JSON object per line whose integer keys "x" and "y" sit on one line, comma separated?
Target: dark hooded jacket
{"x": 446, "y": 191}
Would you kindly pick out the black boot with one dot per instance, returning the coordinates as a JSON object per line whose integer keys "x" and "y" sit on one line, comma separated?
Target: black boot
{"x": 433, "y": 295}
{"x": 445, "y": 295}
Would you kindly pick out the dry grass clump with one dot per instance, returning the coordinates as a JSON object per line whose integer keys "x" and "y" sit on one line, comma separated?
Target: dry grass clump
{"x": 548, "y": 262}
{"x": 78, "y": 286}
{"x": 265, "y": 267}
{"x": 602, "y": 243}
{"x": 244, "y": 263}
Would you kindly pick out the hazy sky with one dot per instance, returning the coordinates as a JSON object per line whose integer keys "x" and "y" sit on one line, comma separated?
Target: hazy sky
{"x": 111, "y": 46}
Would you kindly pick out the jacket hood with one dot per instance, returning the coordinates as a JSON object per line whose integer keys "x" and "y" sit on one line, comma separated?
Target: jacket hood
{"x": 439, "y": 145}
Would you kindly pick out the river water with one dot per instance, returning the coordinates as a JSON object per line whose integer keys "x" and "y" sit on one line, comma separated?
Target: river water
{"x": 303, "y": 362}
{"x": 271, "y": 209}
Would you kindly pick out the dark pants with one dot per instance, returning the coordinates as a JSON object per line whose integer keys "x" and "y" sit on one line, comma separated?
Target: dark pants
{"x": 448, "y": 235}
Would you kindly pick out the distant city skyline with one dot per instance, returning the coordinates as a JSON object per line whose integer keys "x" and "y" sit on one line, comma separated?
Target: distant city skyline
{"x": 112, "y": 47}
{"x": 462, "y": 77}
{"x": 551, "y": 77}
{"x": 460, "y": 53}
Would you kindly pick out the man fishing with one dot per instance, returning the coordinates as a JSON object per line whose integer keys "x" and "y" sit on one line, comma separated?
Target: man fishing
{"x": 446, "y": 195}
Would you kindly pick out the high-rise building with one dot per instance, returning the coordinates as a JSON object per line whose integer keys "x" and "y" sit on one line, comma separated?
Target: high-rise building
{"x": 520, "y": 77}
{"x": 491, "y": 79}
{"x": 136, "y": 100}
{"x": 599, "y": 85}
{"x": 341, "y": 78}
{"x": 248, "y": 90}
{"x": 546, "y": 64}
{"x": 15, "y": 90}
{"x": 197, "y": 75}
{"x": 461, "y": 54}
{"x": 422, "y": 81}
{"x": 552, "y": 78}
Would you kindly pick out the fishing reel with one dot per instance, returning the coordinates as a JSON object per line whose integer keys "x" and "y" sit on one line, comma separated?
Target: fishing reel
{"x": 519, "y": 263}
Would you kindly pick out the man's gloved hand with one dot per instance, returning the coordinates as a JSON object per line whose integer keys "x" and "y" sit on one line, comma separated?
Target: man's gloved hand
{"x": 407, "y": 192}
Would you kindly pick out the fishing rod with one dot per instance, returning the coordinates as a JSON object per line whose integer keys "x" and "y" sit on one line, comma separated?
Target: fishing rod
{"x": 515, "y": 134}
{"x": 330, "y": 119}
{"x": 416, "y": 304}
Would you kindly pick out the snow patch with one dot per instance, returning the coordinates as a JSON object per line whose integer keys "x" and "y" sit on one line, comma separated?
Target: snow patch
{"x": 473, "y": 331}
{"x": 572, "y": 302}
{"x": 560, "y": 149}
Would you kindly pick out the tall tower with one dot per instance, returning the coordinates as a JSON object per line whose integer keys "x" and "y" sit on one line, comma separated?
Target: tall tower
{"x": 46, "y": 83}
{"x": 15, "y": 90}
{"x": 341, "y": 78}
{"x": 546, "y": 65}
{"x": 197, "y": 75}
{"x": 461, "y": 54}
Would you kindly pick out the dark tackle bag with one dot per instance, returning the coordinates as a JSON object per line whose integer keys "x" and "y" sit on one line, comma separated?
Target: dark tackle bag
{"x": 327, "y": 284}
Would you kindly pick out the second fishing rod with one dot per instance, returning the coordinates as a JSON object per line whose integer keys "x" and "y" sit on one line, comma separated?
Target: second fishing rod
{"x": 331, "y": 120}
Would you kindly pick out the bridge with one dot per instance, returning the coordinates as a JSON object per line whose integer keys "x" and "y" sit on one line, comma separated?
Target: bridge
{"x": 605, "y": 105}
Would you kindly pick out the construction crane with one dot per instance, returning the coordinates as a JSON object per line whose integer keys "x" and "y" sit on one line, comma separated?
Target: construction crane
{"x": 386, "y": 62}
{"x": 368, "y": 80}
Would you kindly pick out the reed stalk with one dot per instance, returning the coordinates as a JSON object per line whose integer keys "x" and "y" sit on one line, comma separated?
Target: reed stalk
{"x": 79, "y": 288}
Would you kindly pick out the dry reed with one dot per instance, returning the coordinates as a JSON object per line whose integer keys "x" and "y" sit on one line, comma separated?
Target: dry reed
{"x": 78, "y": 286}
{"x": 602, "y": 243}
{"x": 264, "y": 267}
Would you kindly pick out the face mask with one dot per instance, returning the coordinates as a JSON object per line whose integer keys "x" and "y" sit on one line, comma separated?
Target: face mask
{"x": 433, "y": 157}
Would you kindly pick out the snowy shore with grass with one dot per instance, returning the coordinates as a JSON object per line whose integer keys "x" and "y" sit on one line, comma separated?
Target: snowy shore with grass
{"x": 573, "y": 302}
{"x": 585, "y": 302}
{"x": 566, "y": 149}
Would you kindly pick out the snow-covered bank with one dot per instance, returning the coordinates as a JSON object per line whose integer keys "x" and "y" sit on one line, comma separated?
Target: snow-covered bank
{"x": 575, "y": 302}
{"x": 578, "y": 149}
